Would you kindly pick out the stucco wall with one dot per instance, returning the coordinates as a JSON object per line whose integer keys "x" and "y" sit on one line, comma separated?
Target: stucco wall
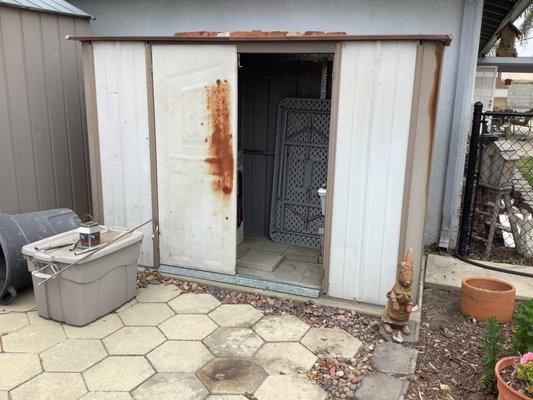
{"x": 164, "y": 17}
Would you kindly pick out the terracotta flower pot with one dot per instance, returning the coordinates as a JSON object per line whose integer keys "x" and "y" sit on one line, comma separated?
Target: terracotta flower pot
{"x": 505, "y": 391}
{"x": 483, "y": 297}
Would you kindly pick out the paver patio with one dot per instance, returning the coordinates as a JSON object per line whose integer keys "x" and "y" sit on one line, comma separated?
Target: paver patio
{"x": 164, "y": 345}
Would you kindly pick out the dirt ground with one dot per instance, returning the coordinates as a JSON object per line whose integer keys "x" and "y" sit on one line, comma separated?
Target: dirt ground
{"x": 450, "y": 351}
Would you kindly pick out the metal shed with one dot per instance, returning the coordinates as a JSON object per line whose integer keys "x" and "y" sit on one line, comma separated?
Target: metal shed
{"x": 43, "y": 163}
{"x": 163, "y": 114}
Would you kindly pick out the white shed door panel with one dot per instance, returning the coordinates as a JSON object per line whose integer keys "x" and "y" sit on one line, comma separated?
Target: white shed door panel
{"x": 376, "y": 85}
{"x": 195, "y": 95}
{"x": 121, "y": 97}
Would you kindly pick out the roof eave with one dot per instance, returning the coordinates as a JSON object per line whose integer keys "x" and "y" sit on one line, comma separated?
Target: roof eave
{"x": 515, "y": 12}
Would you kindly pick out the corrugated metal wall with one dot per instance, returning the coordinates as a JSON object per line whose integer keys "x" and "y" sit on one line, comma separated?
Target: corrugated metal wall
{"x": 122, "y": 102}
{"x": 375, "y": 94}
{"x": 43, "y": 162}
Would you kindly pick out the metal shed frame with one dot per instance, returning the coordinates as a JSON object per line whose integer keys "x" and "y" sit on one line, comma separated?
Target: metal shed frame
{"x": 428, "y": 65}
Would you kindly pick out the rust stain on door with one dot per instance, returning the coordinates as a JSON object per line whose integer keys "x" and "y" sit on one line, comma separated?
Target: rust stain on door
{"x": 221, "y": 158}
{"x": 432, "y": 106}
{"x": 432, "y": 111}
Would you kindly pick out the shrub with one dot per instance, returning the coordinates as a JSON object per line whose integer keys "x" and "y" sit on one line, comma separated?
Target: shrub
{"x": 523, "y": 335}
{"x": 491, "y": 353}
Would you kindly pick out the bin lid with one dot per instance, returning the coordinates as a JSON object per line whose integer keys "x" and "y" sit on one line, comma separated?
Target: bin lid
{"x": 63, "y": 254}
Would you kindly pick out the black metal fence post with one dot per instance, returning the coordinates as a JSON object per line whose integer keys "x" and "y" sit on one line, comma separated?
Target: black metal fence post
{"x": 468, "y": 193}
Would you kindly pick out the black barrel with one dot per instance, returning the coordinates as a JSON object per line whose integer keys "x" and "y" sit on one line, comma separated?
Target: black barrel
{"x": 17, "y": 231}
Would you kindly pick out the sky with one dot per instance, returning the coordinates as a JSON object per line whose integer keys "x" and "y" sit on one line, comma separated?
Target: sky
{"x": 526, "y": 49}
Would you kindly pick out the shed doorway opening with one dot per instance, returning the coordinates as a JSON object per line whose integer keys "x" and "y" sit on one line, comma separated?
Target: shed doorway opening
{"x": 284, "y": 103}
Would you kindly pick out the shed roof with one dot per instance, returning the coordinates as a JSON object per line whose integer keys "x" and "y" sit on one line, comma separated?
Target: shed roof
{"x": 49, "y": 6}
{"x": 263, "y": 36}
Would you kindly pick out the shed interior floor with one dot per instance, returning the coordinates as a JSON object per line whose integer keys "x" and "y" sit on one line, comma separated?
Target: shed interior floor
{"x": 260, "y": 257}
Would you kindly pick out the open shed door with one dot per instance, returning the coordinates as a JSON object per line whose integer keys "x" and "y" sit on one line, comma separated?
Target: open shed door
{"x": 195, "y": 100}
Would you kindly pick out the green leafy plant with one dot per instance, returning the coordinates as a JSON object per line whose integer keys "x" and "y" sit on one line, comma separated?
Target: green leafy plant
{"x": 523, "y": 335}
{"x": 524, "y": 371}
{"x": 491, "y": 353}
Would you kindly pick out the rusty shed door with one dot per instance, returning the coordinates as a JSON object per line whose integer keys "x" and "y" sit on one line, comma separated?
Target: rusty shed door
{"x": 195, "y": 100}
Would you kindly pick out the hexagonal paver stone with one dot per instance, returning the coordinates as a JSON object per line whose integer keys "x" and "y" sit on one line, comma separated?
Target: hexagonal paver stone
{"x": 171, "y": 386}
{"x": 95, "y": 330}
{"x": 331, "y": 341}
{"x": 128, "y": 304}
{"x": 146, "y": 314}
{"x": 157, "y": 293}
{"x": 233, "y": 342}
{"x": 107, "y": 396}
{"x": 17, "y": 368}
{"x": 51, "y": 386}
{"x": 393, "y": 358}
{"x": 180, "y": 356}
{"x": 118, "y": 373}
{"x": 73, "y": 355}
{"x": 381, "y": 386}
{"x": 194, "y": 303}
{"x": 24, "y": 302}
{"x": 226, "y": 397}
{"x": 285, "y": 358}
{"x": 292, "y": 387}
{"x": 4, "y": 396}
{"x": 281, "y": 328}
{"x": 188, "y": 327}
{"x": 243, "y": 315}
{"x": 36, "y": 319}
{"x": 33, "y": 338}
{"x": 12, "y": 321}
{"x": 232, "y": 376}
{"x": 132, "y": 340}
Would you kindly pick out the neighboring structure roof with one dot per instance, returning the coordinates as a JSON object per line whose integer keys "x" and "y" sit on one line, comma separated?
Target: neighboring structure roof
{"x": 49, "y": 6}
{"x": 497, "y": 14}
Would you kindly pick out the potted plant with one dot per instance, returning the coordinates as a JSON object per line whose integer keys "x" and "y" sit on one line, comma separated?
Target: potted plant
{"x": 514, "y": 377}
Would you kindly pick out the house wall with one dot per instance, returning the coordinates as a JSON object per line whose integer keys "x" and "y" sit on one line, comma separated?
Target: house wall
{"x": 484, "y": 87}
{"x": 164, "y": 17}
{"x": 43, "y": 145}
{"x": 520, "y": 96}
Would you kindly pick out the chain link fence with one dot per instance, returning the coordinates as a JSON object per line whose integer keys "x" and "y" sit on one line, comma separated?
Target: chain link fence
{"x": 497, "y": 219}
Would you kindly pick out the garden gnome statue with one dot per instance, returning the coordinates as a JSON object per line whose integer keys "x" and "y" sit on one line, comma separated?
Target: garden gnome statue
{"x": 400, "y": 298}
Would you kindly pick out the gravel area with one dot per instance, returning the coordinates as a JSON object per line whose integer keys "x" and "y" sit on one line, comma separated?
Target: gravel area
{"x": 450, "y": 351}
{"x": 338, "y": 376}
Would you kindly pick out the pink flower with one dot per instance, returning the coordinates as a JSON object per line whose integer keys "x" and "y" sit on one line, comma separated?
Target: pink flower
{"x": 526, "y": 358}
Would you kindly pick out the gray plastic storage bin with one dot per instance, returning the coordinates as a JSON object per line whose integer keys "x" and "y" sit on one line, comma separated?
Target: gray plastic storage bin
{"x": 91, "y": 289}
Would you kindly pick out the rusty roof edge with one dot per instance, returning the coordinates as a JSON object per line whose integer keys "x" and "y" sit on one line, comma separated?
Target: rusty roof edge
{"x": 445, "y": 39}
